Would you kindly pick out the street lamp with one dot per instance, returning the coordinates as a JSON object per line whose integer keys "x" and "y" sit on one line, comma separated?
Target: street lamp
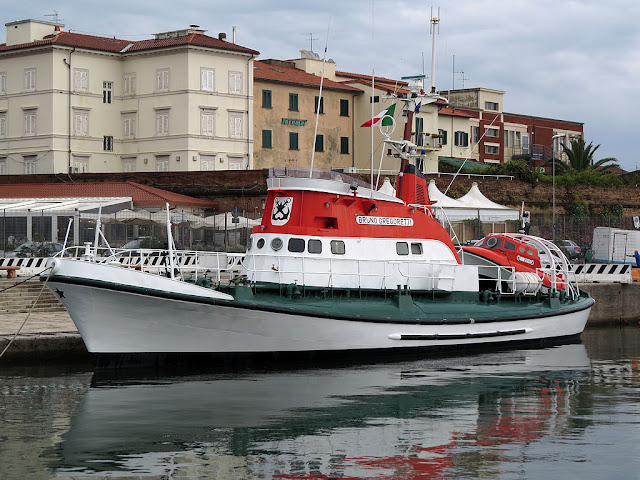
{"x": 553, "y": 176}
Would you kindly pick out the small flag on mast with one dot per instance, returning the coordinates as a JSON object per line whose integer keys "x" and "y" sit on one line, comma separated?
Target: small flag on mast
{"x": 385, "y": 121}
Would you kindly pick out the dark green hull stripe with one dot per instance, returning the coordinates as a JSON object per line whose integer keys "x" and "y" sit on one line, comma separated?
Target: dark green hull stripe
{"x": 313, "y": 311}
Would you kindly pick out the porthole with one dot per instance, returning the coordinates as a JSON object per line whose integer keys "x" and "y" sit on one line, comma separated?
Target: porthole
{"x": 276, "y": 244}
{"x": 260, "y": 243}
{"x": 491, "y": 242}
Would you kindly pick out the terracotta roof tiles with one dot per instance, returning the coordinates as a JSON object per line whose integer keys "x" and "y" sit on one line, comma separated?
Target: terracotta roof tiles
{"x": 108, "y": 44}
{"x": 291, "y": 75}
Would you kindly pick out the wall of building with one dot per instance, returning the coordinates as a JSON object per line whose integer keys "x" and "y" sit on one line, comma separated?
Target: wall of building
{"x": 331, "y": 125}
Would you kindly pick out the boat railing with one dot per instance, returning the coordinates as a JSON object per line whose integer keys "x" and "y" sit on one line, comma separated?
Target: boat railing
{"x": 364, "y": 271}
{"x": 156, "y": 261}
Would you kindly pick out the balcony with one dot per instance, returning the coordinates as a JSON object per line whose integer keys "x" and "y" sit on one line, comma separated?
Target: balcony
{"x": 532, "y": 152}
{"x": 428, "y": 141}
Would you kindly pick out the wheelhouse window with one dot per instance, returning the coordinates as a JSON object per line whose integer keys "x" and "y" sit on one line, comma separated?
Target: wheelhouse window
{"x": 416, "y": 249}
{"x": 296, "y": 245}
{"x": 337, "y": 247}
{"x": 314, "y": 246}
{"x": 402, "y": 248}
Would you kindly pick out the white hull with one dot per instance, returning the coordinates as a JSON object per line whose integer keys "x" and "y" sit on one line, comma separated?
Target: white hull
{"x": 114, "y": 320}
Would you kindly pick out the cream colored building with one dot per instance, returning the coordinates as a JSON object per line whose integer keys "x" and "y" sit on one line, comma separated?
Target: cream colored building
{"x": 182, "y": 101}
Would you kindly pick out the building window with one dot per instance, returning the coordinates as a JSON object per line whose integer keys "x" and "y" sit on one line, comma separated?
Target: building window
{"x": 321, "y": 105}
{"x": 3, "y": 124}
{"x": 236, "y": 163}
{"x": 375, "y": 99}
{"x": 81, "y": 79}
{"x": 207, "y": 79}
{"x": 491, "y": 149}
{"x": 491, "y": 106}
{"x": 29, "y": 79}
{"x": 3, "y": 83}
{"x": 344, "y": 107}
{"x": 30, "y": 164}
{"x": 128, "y": 165}
{"x": 344, "y": 145}
{"x": 235, "y": 83}
{"x": 235, "y": 125}
{"x": 129, "y": 125}
{"x": 492, "y": 132}
{"x": 461, "y": 139}
{"x": 475, "y": 134}
{"x": 162, "y": 122}
{"x": 81, "y": 123}
{"x": 293, "y": 102}
{"x": 107, "y": 143}
{"x": 419, "y": 130}
{"x": 129, "y": 83}
{"x": 207, "y": 163}
{"x": 443, "y": 139}
{"x": 293, "y": 141}
{"x": 30, "y": 122}
{"x": 80, "y": 164}
{"x": 162, "y": 80}
{"x": 319, "y": 143}
{"x": 266, "y": 98}
{"x": 162, "y": 163}
{"x": 3, "y": 165}
{"x": 267, "y": 141}
{"x": 107, "y": 92}
{"x": 207, "y": 122}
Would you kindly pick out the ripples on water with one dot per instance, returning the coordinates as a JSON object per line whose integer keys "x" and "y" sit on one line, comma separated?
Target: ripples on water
{"x": 566, "y": 411}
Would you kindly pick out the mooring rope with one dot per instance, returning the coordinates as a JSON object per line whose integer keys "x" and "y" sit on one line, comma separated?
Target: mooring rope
{"x": 44, "y": 285}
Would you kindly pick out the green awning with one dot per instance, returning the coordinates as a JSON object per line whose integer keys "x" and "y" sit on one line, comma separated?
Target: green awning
{"x": 455, "y": 163}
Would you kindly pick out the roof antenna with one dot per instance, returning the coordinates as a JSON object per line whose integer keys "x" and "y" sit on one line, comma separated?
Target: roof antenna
{"x": 54, "y": 16}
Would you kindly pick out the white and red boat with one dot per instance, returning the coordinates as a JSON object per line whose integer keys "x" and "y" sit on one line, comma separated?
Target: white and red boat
{"x": 334, "y": 266}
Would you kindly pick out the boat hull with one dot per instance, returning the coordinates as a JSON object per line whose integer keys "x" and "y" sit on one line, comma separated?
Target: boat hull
{"x": 123, "y": 319}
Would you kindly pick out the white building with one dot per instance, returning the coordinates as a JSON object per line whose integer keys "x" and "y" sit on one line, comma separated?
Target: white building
{"x": 181, "y": 101}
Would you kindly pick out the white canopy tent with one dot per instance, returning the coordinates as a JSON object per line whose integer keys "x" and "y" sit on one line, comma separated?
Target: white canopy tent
{"x": 471, "y": 206}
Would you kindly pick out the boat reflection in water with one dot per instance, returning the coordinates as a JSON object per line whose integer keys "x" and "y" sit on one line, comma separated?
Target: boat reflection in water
{"x": 431, "y": 418}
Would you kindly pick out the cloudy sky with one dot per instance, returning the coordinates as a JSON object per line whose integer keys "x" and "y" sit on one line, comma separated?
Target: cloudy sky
{"x": 573, "y": 60}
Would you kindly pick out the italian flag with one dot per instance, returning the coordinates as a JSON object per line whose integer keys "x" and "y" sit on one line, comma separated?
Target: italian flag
{"x": 386, "y": 121}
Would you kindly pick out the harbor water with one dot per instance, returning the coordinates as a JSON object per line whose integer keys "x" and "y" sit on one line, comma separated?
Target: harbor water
{"x": 571, "y": 411}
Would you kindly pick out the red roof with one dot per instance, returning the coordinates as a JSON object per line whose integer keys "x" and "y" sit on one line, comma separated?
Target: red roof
{"x": 141, "y": 195}
{"x": 107, "y": 44}
{"x": 360, "y": 76}
{"x": 291, "y": 75}
{"x": 455, "y": 112}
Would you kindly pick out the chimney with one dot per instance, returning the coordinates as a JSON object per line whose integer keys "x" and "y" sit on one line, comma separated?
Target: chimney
{"x": 222, "y": 36}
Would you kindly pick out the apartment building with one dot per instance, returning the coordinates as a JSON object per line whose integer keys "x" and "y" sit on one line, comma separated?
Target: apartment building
{"x": 181, "y": 101}
{"x": 287, "y": 104}
{"x": 497, "y": 136}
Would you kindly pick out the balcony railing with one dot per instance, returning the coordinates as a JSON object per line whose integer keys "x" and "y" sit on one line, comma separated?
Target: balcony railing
{"x": 530, "y": 152}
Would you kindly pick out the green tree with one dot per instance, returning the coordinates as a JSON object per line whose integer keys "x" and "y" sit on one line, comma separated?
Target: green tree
{"x": 580, "y": 158}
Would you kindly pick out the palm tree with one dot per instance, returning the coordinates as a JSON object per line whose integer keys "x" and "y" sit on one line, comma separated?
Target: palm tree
{"x": 580, "y": 158}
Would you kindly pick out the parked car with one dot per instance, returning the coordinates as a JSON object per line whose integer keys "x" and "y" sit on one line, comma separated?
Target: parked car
{"x": 35, "y": 249}
{"x": 570, "y": 248}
